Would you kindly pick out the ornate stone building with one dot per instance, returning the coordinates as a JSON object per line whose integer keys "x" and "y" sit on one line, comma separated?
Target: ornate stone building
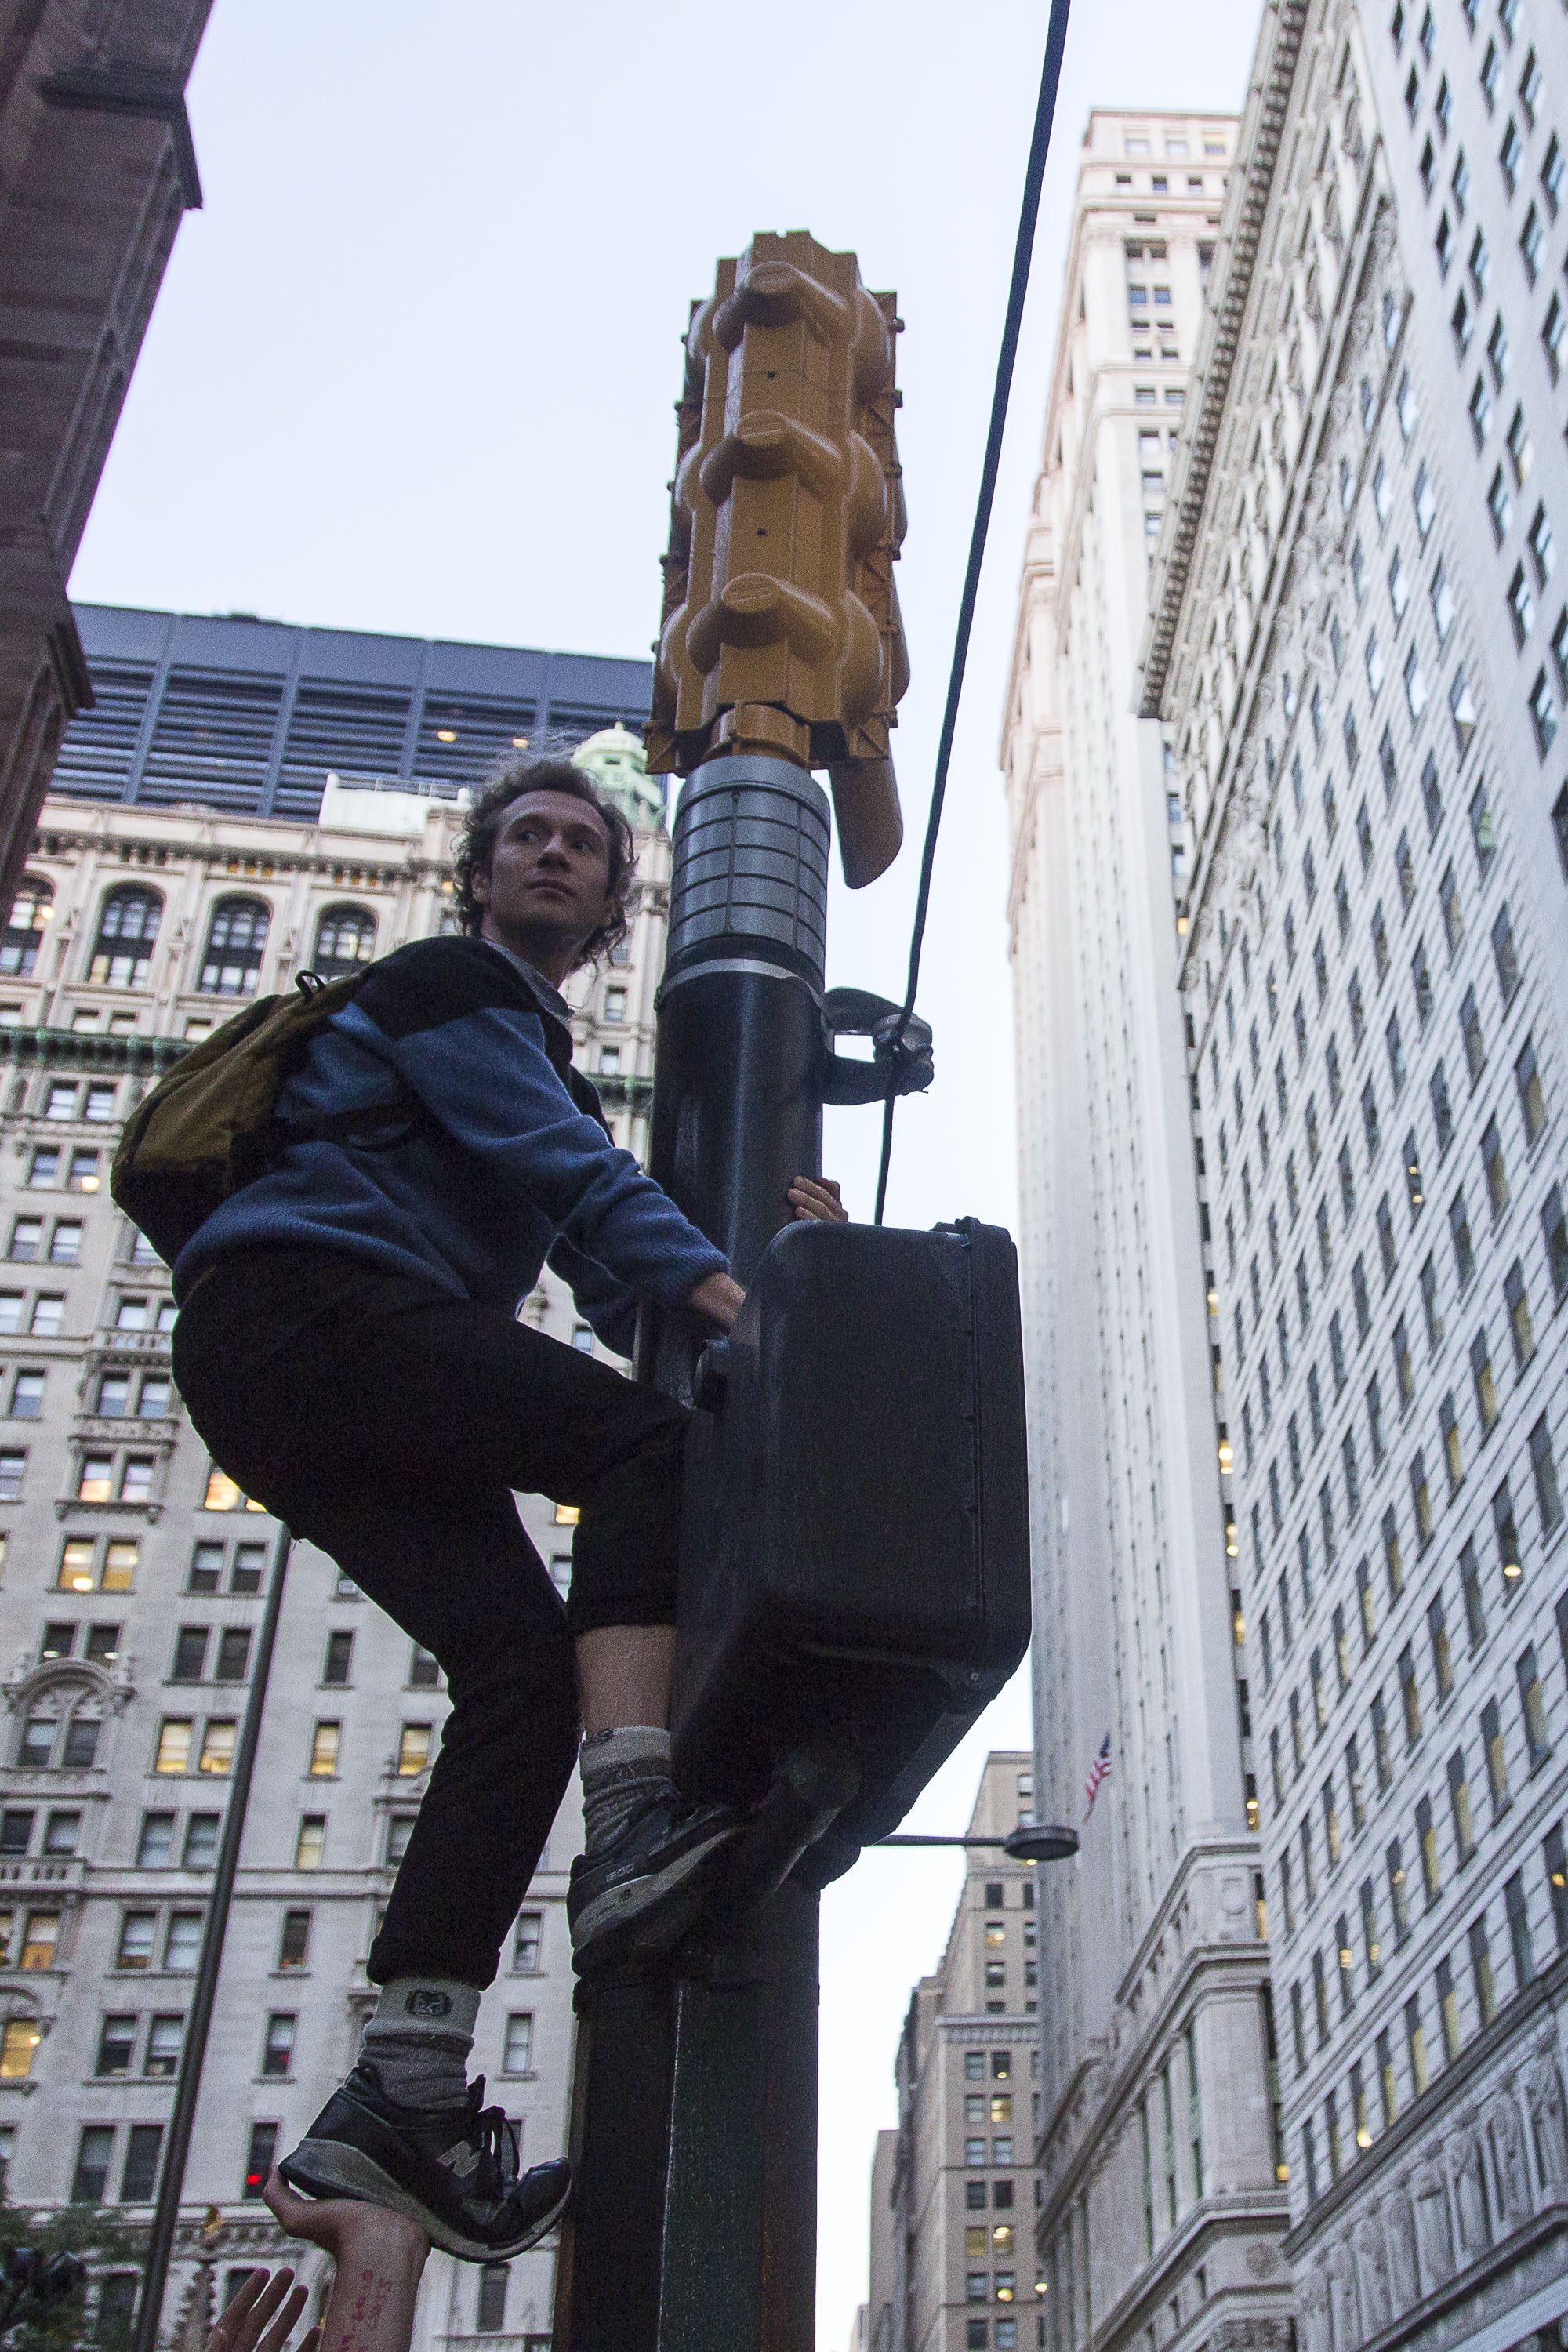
{"x": 97, "y": 168}
{"x": 1161, "y": 2173}
{"x": 1357, "y": 651}
{"x": 132, "y": 1575}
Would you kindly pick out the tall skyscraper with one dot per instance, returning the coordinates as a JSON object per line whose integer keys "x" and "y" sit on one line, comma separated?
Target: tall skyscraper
{"x": 1357, "y": 649}
{"x": 134, "y": 1574}
{"x": 1162, "y": 2209}
{"x": 952, "y": 2266}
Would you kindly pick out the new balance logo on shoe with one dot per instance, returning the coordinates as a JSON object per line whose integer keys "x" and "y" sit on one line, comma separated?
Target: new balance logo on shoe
{"x": 461, "y": 2159}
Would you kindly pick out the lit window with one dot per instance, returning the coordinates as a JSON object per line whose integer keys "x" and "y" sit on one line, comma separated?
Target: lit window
{"x": 310, "y": 1843}
{"x": 414, "y": 1748}
{"x": 76, "y": 1566}
{"x": 324, "y": 1751}
{"x": 174, "y": 1738}
{"x": 217, "y": 1747}
{"x": 39, "y": 1939}
{"x": 120, "y": 1559}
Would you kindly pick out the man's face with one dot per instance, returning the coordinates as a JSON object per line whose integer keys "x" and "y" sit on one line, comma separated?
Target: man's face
{"x": 549, "y": 874}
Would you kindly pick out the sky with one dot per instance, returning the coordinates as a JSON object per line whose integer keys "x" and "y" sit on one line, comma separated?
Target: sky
{"x": 412, "y": 368}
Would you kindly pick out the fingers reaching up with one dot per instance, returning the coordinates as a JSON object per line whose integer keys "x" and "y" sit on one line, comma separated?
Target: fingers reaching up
{"x": 817, "y": 1197}
{"x": 263, "y": 2315}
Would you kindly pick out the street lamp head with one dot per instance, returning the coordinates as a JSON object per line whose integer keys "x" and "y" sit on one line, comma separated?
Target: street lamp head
{"x": 1042, "y": 1842}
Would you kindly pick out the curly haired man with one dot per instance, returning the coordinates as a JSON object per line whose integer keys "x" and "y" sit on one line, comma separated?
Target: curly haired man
{"x": 348, "y": 1346}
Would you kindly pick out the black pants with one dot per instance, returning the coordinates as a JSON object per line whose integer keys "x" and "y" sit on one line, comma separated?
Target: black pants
{"x": 389, "y": 1425}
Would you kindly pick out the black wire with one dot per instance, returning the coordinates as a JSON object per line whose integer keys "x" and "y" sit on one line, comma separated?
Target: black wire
{"x": 1040, "y": 146}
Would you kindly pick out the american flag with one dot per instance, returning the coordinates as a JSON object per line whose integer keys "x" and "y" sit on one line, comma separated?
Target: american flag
{"x": 1098, "y": 1771}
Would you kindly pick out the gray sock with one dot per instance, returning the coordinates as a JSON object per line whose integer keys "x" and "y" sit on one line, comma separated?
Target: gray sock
{"x": 419, "y": 2036}
{"x": 619, "y": 1769}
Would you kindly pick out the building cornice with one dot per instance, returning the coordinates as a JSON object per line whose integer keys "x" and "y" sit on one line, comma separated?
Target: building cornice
{"x": 1209, "y": 381}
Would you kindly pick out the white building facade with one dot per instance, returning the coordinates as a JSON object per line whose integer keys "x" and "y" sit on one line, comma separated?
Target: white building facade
{"x": 135, "y": 1576}
{"x": 1356, "y": 651}
{"x": 1162, "y": 2209}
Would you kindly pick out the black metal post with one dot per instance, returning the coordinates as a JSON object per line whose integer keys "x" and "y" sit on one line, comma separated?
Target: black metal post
{"x": 714, "y": 2076}
{"x": 176, "y": 2147}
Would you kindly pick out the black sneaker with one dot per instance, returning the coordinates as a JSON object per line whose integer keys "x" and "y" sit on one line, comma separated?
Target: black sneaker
{"x": 454, "y": 2171}
{"x": 643, "y": 1892}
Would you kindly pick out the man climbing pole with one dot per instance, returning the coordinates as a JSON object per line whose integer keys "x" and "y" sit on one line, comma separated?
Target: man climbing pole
{"x": 348, "y": 1346}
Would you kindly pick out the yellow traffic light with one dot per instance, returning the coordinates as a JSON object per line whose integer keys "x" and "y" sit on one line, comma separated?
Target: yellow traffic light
{"x": 781, "y": 629}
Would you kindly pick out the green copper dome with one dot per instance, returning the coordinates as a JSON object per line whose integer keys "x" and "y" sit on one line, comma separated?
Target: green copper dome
{"x": 616, "y": 759}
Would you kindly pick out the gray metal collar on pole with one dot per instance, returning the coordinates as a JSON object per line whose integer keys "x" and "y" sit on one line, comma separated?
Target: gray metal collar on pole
{"x": 171, "y": 2186}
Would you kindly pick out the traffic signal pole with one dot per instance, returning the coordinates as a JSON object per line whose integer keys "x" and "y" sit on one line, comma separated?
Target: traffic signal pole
{"x": 738, "y": 1113}
{"x": 694, "y": 2138}
{"x": 694, "y": 2112}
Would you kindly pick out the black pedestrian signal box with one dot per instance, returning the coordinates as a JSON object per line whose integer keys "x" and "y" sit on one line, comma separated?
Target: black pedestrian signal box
{"x": 854, "y": 1549}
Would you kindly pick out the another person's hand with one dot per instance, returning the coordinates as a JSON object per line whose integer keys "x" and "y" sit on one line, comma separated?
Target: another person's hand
{"x": 344, "y": 2228}
{"x": 263, "y": 2315}
{"x": 817, "y": 1197}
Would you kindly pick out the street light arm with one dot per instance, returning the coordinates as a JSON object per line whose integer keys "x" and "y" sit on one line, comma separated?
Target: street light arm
{"x": 1030, "y": 1842}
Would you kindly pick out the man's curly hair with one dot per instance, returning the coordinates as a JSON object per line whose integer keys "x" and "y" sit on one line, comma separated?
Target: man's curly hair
{"x": 552, "y": 772}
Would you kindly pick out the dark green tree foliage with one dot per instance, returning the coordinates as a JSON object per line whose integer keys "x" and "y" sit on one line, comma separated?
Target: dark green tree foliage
{"x": 99, "y": 2238}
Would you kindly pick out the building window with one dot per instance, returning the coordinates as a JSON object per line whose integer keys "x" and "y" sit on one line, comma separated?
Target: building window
{"x": 294, "y": 1943}
{"x": 1543, "y": 713}
{"x": 310, "y": 1843}
{"x": 1543, "y": 1462}
{"x": 1532, "y": 1097}
{"x": 323, "y": 1765}
{"x": 1507, "y": 1539}
{"x": 1481, "y": 1971}
{"x": 345, "y": 941}
{"x": 236, "y": 943}
{"x": 259, "y": 2158}
{"x": 339, "y": 1659}
{"x": 516, "y": 2050}
{"x": 31, "y": 910}
{"x": 1460, "y": 1805}
{"x": 490, "y": 2311}
{"x": 414, "y": 1748}
{"x": 95, "y": 2152}
{"x": 164, "y": 2036}
{"x": 139, "y": 2180}
{"x": 127, "y": 927}
{"x": 526, "y": 1940}
{"x": 278, "y": 2048}
{"x": 182, "y": 1946}
{"x": 200, "y": 1850}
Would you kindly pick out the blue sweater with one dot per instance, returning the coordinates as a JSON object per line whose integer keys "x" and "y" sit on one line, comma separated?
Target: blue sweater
{"x": 482, "y": 1150}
